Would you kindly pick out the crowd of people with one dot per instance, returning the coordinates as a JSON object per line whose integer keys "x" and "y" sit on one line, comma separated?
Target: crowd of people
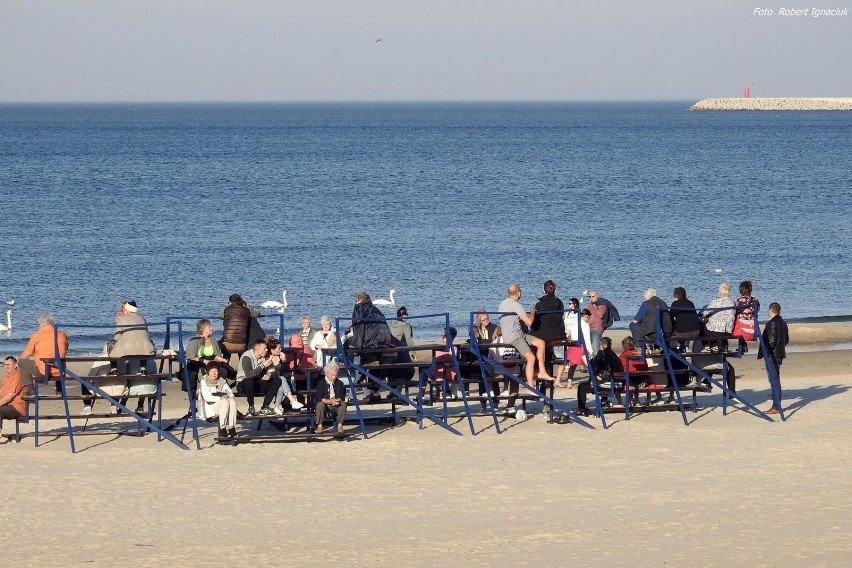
{"x": 248, "y": 362}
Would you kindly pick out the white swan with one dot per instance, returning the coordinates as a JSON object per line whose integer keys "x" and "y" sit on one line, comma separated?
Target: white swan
{"x": 273, "y": 304}
{"x": 8, "y": 326}
{"x": 383, "y": 302}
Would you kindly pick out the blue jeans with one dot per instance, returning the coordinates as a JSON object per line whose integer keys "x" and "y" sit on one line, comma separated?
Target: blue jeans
{"x": 596, "y": 340}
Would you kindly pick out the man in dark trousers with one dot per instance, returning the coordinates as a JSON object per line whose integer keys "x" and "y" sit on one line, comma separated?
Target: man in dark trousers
{"x": 331, "y": 396}
{"x": 775, "y": 337}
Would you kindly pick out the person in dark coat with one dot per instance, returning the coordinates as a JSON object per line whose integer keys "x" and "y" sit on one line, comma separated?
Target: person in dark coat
{"x": 686, "y": 323}
{"x": 548, "y": 324}
{"x": 775, "y": 338}
{"x": 645, "y": 322}
{"x": 369, "y": 331}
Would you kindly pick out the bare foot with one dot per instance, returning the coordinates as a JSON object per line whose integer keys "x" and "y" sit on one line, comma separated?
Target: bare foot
{"x": 545, "y": 377}
{"x": 318, "y": 430}
{"x": 560, "y": 384}
{"x": 340, "y": 430}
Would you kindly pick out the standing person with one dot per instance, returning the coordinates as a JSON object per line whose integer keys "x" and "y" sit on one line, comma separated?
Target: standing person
{"x": 576, "y": 354}
{"x": 12, "y": 405}
{"x": 510, "y": 325}
{"x": 236, "y": 322}
{"x": 256, "y": 375}
{"x": 331, "y": 395}
{"x": 216, "y": 399}
{"x": 747, "y": 305}
{"x": 775, "y": 337}
{"x": 548, "y": 322}
{"x": 41, "y": 346}
{"x": 598, "y": 308}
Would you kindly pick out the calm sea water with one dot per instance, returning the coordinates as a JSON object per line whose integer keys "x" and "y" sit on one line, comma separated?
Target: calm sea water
{"x": 178, "y": 206}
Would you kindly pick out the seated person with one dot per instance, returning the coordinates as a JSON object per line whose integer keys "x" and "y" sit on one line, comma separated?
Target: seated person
{"x": 718, "y": 318}
{"x": 279, "y": 363}
{"x": 40, "y": 347}
{"x": 257, "y": 376}
{"x": 325, "y": 338}
{"x": 12, "y": 405}
{"x": 442, "y": 359}
{"x": 530, "y": 348}
{"x": 605, "y": 364}
{"x": 216, "y": 399}
{"x": 631, "y": 362}
{"x": 330, "y": 396}
{"x": 203, "y": 349}
{"x": 685, "y": 320}
{"x": 644, "y": 324}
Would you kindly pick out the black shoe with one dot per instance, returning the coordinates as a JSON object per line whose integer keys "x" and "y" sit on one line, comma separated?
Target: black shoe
{"x": 223, "y": 433}
{"x": 583, "y": 412}
{"x": 232, "y": 433}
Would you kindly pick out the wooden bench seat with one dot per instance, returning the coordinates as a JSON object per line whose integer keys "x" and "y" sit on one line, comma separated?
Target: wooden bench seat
{"x": 283, "y": 437}
{"x": 44, "y": 397}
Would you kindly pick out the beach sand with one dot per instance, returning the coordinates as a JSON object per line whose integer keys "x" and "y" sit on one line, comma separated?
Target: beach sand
{"x": 726, "y": 490}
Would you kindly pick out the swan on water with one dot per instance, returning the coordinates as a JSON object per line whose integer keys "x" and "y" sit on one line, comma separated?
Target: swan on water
{"x": 273, "y": 304}
{"x": 8, "y": 326}
{"x": 383, "y": 302}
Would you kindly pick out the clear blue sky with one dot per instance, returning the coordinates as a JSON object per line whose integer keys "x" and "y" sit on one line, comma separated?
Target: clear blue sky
{"x": 265, "y": 50}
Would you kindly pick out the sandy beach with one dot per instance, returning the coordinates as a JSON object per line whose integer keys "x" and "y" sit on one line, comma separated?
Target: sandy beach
{"x": 726, "y": 490}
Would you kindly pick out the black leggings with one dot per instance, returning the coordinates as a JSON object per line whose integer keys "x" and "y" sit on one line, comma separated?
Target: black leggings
{"x": 253, "y": 386}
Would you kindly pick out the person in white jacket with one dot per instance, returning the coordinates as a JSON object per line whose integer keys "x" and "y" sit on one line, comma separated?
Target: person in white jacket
{"x": 323, "y": 339}
{"x": 215, "y": 398}
{"x": 577, "y": 354}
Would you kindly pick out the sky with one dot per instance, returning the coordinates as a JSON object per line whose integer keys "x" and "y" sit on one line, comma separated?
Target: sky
{"x": 435, "y": 50}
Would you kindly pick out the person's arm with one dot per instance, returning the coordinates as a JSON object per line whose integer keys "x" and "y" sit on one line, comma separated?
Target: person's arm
{"x": 250, "y": 371}
{"x": 643, "y": 311}
{"x": 526, "y": 318}
{"x": 29, "y": 350}
{"x": 207, "y": 392}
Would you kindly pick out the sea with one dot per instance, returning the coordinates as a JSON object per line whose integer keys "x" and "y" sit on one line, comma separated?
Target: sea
{"x": 177, "y": 206}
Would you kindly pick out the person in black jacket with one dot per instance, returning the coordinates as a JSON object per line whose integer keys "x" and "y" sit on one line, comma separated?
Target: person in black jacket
{"x": 775, "y": 337}
{"x": 605, "y": 364}
{"x": 331, "y": 395}
{"x": 547, "y": 324}
{"x": 369, "y": 331}
{"x": 685, "y": 319}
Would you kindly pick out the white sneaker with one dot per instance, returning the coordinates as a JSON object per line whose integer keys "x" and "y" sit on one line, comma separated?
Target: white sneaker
{"x": 297, "y": 405}
{"x": 279, "y": 410}
{"x": 113, "y": 410}
{"x": 87, "y": 410}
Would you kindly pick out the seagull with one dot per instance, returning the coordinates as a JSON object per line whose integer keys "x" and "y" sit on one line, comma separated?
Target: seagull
{"x": 273, "y": 304}
{"x": 8, "y": 326}
{"x": 717, "y": 270}
{"x": 383, "y": 302}
{"x": 378, "y": 39}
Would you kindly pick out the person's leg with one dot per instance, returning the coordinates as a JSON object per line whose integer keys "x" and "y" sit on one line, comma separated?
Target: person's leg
{"x": 220, "y": 409}
{"x": 272, "y": 387}
{"x": 248, "y": 387}
{"x": 731, "y": 379}
{"x": 8, "y": 412}
{"x": 596, "y": 341}
{"x": 540, "y": 351}
{"x": 341, "y": 416}
{"x": 320, "y": 416}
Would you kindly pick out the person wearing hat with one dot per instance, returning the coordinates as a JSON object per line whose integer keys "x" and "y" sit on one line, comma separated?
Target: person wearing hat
{"x": 131, "y": 338}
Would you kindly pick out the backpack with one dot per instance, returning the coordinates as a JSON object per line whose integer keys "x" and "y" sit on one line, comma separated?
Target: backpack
{"x": 612, "y": 314}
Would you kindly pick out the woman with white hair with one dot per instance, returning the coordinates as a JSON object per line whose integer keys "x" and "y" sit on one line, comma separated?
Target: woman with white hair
{"x": 644, "y": 324}
{"x": 719, "y": 317}
{"x": 325, "y": 338}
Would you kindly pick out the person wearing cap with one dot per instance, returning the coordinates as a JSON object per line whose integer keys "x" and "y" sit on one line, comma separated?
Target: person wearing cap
{"x": 132, "y": 339}
{"x": 41, "y": 346}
